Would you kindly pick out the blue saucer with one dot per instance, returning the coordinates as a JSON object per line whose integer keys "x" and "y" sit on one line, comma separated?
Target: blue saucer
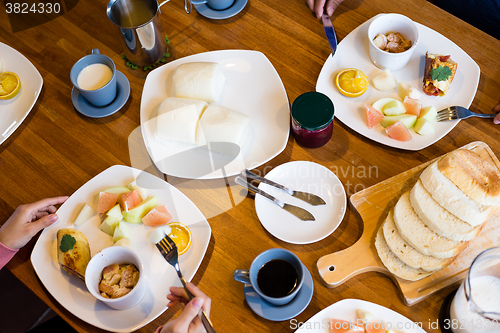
{"x": 90, "y": 110}
{"x": 210, "y": 13}
{"x": 281, "y": 312}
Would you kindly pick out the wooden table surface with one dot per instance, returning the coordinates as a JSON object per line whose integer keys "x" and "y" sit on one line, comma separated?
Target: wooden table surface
{"x": 56, "y": 149}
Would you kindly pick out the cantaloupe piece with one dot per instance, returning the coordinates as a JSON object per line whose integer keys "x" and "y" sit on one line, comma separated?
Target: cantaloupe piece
{"x": 106, "y": 201}
{"x": 157, "y": 216}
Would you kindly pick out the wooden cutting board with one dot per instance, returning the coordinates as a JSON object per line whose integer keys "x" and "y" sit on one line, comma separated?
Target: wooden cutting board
{"x": 373, "y": 204}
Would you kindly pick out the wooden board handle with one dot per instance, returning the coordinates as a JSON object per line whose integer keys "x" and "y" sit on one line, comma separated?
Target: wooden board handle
{"x": 336, "y": 268}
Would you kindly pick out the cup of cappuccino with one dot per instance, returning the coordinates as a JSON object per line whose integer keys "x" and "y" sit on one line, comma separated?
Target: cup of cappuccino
{"x": 95, "y": 78}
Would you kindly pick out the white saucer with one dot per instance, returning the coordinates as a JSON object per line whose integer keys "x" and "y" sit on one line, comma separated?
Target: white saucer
{"x": 210, "y": 13}
{"x": 281, "y": 312}
{"x": 122, "y": 94}
{"x": 308, "y": 177}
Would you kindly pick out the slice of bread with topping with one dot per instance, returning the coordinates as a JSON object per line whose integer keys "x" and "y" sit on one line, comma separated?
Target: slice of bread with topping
{"x": 418, "y": 235}
{"x": 393, "y": 264}
{"x": 439, "y": 219}
{"x": 478, "y": 179}
{"x": 451, "y": 198}
{"x": 407, "y": 253}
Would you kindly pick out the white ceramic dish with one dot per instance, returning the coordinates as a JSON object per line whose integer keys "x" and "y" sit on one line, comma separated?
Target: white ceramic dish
{"x": 72, "y": 293}
{"x": 353, "y": 52}
{"x": 253, "y": 87}
{"x": 346, "y": 310}
{"x": 308, "y": 177}
{"x": 16, "y": 109}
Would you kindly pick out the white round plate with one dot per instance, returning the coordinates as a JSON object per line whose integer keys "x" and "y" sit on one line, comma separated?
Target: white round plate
{"x": 307, "y": 177}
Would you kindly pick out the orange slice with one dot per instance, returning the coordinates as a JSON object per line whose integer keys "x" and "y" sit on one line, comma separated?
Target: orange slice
{"x": 351, "y": 82}
{"x": 10, "y": 85}
{"x": 181, "y": 235}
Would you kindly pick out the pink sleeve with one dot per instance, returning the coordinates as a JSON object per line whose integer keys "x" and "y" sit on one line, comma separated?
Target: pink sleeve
{"x": 6, "y": 253}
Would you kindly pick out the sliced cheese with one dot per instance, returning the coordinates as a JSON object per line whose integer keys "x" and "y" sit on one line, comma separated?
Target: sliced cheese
{"x": 200, "y": 80}
{"x": 219, "y": 124}
{"x": 178, "y": 119}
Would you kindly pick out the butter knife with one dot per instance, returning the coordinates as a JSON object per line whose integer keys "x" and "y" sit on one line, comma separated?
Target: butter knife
{"x": 330, "y": 32}
{"x": 301, "y": 213}
{"x": 310, "y": 198}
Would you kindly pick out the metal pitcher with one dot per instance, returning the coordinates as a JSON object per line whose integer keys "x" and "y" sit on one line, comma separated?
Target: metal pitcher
{"x": 139, "y": 25}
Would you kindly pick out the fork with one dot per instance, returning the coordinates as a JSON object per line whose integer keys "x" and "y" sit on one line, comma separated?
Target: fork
{"x": 169, "y": 251}
{"x": 459, "y": 112}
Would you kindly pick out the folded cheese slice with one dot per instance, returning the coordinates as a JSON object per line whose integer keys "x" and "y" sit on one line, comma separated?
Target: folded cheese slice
{"x": 200, "y": 80}
{"x": 178, "y": 119}
{"x": 219, "y": 124}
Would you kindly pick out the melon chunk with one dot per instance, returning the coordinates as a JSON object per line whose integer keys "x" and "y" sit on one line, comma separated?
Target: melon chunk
{"x": 136, "y": 214}
{"x": 384, "y": 81}
{"x": 373, "y": 116}
{"x": 407, "y": 119}
{"x": 398, "y": 131}
{"x": 106, "y": 201}
{"x": 86, "y": 213}
{"x": 404, "y": 89}
{"x": 424, "y": 127}
{"x": 143, "y": 192}
{"x": 429, "y": 113}
{"x": 121, "y": 231}
{"x": 393, "y": 108}
{"x": 380, "y": 103}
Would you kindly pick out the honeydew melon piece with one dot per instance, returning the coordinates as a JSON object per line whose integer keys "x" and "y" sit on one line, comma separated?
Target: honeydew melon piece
{"x": 384, "y": 81}
{"x": 429, "y": 113}
{"x": 143, "y": 192}
{"x": 136, "y": 214}
{"x": 109, "y": 225}
{"x": 116, "y": 190}
{"x": 424, "y": 127}
{"x": 407, "y": 119}
{"x": 404, "y": 89}
{"x": 115, "y": 212}
{"x": 379, "y": 104}
{"x": 394, "y": 108}
{"x": 121, "y": 231}
{"x": 85, "y": 214}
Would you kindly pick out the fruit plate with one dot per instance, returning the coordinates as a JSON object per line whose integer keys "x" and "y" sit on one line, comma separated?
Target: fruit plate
{"x": 353, "y": 52}
{"x": 253, "y": 87}
{"x": 14, "y": 110}
{"x": 346, "y": 310}
{"x": 72, "y": 293}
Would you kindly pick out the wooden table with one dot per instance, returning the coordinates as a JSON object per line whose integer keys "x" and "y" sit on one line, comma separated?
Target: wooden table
{"x": 56, "y": 150}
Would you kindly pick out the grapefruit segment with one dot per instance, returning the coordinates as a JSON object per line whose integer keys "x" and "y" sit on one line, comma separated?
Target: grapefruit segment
{"x": 398, "y": 131}
{"x": 412, "y": 106}
{"x": 373, "y": 116}
{"x": 130, "y": 200}
{"x": 157, "y": 216}
{"x": 106, "y": 201}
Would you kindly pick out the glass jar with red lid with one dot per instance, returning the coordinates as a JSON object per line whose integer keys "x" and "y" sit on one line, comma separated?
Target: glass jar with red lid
{"x": 312, "y": 119}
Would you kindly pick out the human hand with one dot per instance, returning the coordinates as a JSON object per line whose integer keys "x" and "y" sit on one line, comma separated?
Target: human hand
{"x": 188, "y": 321}
{"x": 27, "y": 221}
{"x": 319, "y": 7}
{"x": 496, "y": 120}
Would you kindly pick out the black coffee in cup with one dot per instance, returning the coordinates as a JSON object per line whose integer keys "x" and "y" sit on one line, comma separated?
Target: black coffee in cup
{"x": 277, "y": 278}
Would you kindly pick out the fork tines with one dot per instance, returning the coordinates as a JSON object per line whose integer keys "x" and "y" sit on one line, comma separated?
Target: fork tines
{"x": 165, "y": 246}
{"x": 449, "y": 113}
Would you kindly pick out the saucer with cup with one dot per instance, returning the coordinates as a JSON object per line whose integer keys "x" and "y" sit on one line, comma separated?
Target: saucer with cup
{"x": 99, "y": 90}
{"x": 278, "y": 286}
{"x": 219, "y": 9}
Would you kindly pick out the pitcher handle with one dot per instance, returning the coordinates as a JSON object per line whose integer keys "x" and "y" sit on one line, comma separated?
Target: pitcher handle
{"x": 188, "y": 6}
{"x": 242, "y": 275}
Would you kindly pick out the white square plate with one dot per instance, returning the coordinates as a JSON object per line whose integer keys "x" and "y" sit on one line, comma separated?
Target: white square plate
{"x": 14, "y": 110}
{"x": 353, "y": 52}
{"x": 72, "y": 293}
{"x": 253, "y": 87}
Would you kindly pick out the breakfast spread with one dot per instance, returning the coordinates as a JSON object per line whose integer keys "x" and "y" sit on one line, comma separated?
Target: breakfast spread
{"x": 392, "y": 42}
{"x": 73, "y": 251}
{"x": 117, "y": 280}
{"x": 433, "y": 222}
{"x": 438, "y": 74}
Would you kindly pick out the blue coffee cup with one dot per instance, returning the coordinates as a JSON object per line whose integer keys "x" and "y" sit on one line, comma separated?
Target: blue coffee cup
{"x": 214, "y": 4}
{"x": 276, "y": 275}
{"x": 104, "y": 95}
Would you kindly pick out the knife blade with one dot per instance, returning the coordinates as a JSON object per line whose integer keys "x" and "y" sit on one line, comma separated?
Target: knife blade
{"x": 298, "y": 212}
{"x": 330, "y": 32}
{"x": 310, "y": 198}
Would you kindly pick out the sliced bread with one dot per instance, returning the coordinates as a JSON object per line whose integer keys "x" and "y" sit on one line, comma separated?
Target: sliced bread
{"x": 451, "y": 198}
{"x": 407, "y": 253}
{"x": 439, "y": 219}
{"x": 418, "y": 235}
{"x": 393, "y": 264}
{"x": 478, "y": 179}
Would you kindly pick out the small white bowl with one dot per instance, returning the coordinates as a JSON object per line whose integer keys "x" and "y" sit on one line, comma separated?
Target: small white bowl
{"x": 109, "y": 256}
{"x": 384, "y": 23}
